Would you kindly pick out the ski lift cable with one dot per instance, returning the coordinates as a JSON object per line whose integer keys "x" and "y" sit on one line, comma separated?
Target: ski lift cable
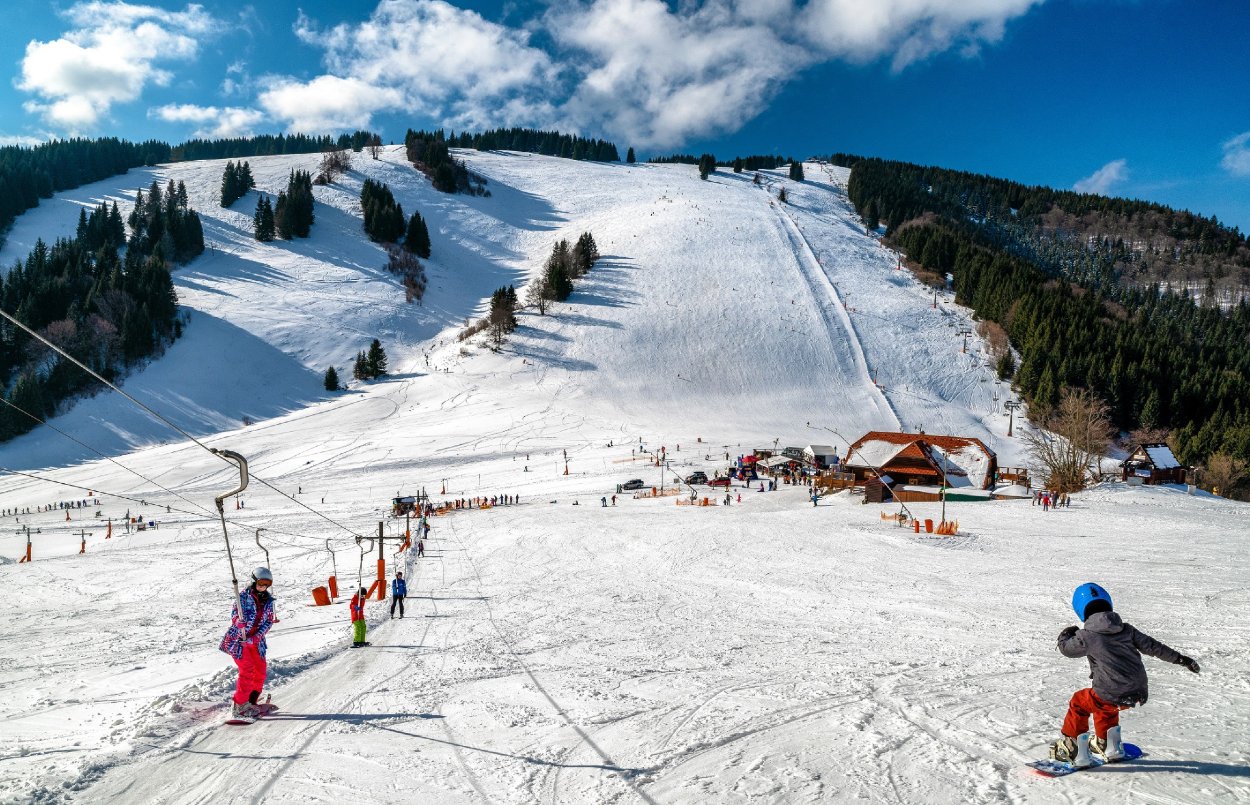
{"x": 6, "y": 315}
{"x": 103, "y": 493}
{"x": 81, "y": 443}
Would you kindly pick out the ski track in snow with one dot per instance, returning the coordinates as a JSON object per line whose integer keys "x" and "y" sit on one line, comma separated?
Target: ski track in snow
{"x": 765, "y": 652}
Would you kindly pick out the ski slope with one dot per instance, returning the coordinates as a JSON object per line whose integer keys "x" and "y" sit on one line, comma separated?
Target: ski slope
{"x": 767, "y": 651}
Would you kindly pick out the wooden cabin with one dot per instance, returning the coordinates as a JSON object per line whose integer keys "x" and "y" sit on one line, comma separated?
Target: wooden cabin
{"x": 1153, "y": 464}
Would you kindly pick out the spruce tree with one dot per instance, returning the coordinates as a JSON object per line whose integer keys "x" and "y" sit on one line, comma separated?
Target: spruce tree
{"x": 375, "y": 361}
{"x": 629, "y": 156}
{"x": 796, "y": 171}
{"x": 263, "y": 220}
{"x": 707, "y": 166}
{"x": 331, "y": 379}
{"x": 417, "y": 240}
{"x": 360, "y": 369}
{"x": 229, "y": 185}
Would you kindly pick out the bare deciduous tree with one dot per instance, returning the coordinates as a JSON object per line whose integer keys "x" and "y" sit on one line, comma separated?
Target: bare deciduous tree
{"x": 539, "y": 293}
{"x": 375, "y": 146}
{"x": 1223, "y": 472}
{"x": 334, "y": 162}
{"x": 1070, "y": 443}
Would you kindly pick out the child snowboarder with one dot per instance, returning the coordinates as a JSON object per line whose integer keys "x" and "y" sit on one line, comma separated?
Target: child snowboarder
{"x": 245, "y": 642}
{"x": 358, "y": 618}
{"x": 1114, "y": 649}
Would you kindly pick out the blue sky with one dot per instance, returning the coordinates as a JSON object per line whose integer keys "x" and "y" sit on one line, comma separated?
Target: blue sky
{"x": 1129, "y": 97}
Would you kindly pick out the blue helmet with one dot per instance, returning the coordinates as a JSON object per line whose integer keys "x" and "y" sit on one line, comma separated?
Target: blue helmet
{"x": 1085, "y": 595}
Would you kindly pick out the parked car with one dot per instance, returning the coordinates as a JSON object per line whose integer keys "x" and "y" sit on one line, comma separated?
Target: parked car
{"x": 697, "y": 478}
{"x": 636, "y": 483}
{"x": 718, "y": 482}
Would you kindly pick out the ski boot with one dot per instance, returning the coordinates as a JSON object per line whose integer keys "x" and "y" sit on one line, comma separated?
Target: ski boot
{"x": 243, "y": 712}
{"x": 1072, "y": 750}
{"x": 1111, "y": 748}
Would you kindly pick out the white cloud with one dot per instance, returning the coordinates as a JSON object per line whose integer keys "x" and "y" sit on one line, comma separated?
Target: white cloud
{"x": 1237, "y": 155}
{"x": 652, "y": 72}
{"x": 22, "y": 139}
{"x": 657, "y": 78}
{"x": 231, "y": 121}
{"x": 424, "y": 56}
{"x": 108, "y": 57}
{"x": 1105, "y": 179}
{"x": 327, "y": 103}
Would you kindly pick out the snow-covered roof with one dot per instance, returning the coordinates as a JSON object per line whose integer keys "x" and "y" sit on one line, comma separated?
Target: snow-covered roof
{"x": 965, "y": 462}
{"x": 1161, "y": 456}
{"x": 821, "y": 450}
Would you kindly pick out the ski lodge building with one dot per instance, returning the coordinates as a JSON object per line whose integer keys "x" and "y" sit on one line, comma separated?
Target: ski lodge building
{"x": 915, "y": 466}
{"x": 1153, "y": 464}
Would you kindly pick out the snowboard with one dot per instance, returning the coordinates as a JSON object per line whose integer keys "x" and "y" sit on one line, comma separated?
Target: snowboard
{"x": 362, "y": 645}
{"x": 266, "y": 709}
{"x": 1059, "y": 768}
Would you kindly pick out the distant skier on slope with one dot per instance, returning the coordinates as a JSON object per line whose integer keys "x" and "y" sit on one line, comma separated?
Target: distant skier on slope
{"x": 1114, "y": 649}
{"x": 245, "y": 642}
{"x": 399, "y": 591}
{"x": 358, "y": 618}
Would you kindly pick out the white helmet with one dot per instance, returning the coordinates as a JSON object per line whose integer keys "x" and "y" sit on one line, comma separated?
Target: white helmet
{"x": 262, "y": 573}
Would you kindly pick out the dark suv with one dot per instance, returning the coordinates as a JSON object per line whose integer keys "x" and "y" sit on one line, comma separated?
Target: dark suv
{"x": 634, "y": 484}
{"x": 697, "y": 478}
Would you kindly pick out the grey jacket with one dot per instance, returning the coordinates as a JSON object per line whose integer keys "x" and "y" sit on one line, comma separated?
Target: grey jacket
{"x": 1114, "y": 649}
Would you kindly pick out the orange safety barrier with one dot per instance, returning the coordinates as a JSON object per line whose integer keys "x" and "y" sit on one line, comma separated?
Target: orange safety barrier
{"x": 915, "y": 526}
{"x": 321, "y": 596}
{"x": 928, "y": 526}
{"x": 334, "y": 587}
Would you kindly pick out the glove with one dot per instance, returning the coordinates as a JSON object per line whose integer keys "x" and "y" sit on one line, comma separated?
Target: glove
{"x": 1067, "y": 633}
{"x": 1190, "y": 663}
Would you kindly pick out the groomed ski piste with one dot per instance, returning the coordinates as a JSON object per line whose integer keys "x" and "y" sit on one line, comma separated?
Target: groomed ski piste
{"x": 557, "y": 651}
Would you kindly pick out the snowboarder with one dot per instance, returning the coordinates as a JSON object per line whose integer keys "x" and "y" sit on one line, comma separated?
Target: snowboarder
{"x": 358, "y": 618}
{"x": 244, "y": 641}
{"x": 399, "y": 590}
{"x": 614, "y": 500}
{"x": 1114, "y": 649}
{"x": 603, "y": 501}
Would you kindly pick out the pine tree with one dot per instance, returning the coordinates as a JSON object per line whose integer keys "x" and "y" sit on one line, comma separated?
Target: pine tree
{"x": 375, "y": 361}
{"x": 332, "y": 379}
{"x": 782, "y": 196}
{"x": 737, "y": 164}
{"x": 707, "y": 166}
{"x": 796, "y": 171}
{"x": 229, "y": 185}
{"x": 629, "y": 156}
{"x": 360, "y": 369}
{"x": 282, "y": 217}
{"x": 417, "y": 239}
{"x": 263, "y": 220}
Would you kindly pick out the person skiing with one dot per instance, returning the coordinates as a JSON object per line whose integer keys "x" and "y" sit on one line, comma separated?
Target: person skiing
{"x": 358, "y": 618}
{"x": 399, "y": 591}
{"x": 245, "y": 642}
{"x": 1114, "y": 650}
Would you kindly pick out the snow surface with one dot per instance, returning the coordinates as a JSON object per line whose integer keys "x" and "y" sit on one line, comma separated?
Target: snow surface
{"x": 765, "y": 651}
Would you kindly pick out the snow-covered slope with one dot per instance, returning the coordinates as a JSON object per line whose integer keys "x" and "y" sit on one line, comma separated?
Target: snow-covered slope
{"x": 768, "y": 651}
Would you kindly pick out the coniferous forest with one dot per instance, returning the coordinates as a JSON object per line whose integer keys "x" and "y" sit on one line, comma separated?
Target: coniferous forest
{"x": 106, "y": 309}
{"x": 1085, "y": 287}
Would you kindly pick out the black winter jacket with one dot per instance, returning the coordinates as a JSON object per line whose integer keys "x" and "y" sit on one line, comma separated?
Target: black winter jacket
{"x": 1114, "y": 649}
